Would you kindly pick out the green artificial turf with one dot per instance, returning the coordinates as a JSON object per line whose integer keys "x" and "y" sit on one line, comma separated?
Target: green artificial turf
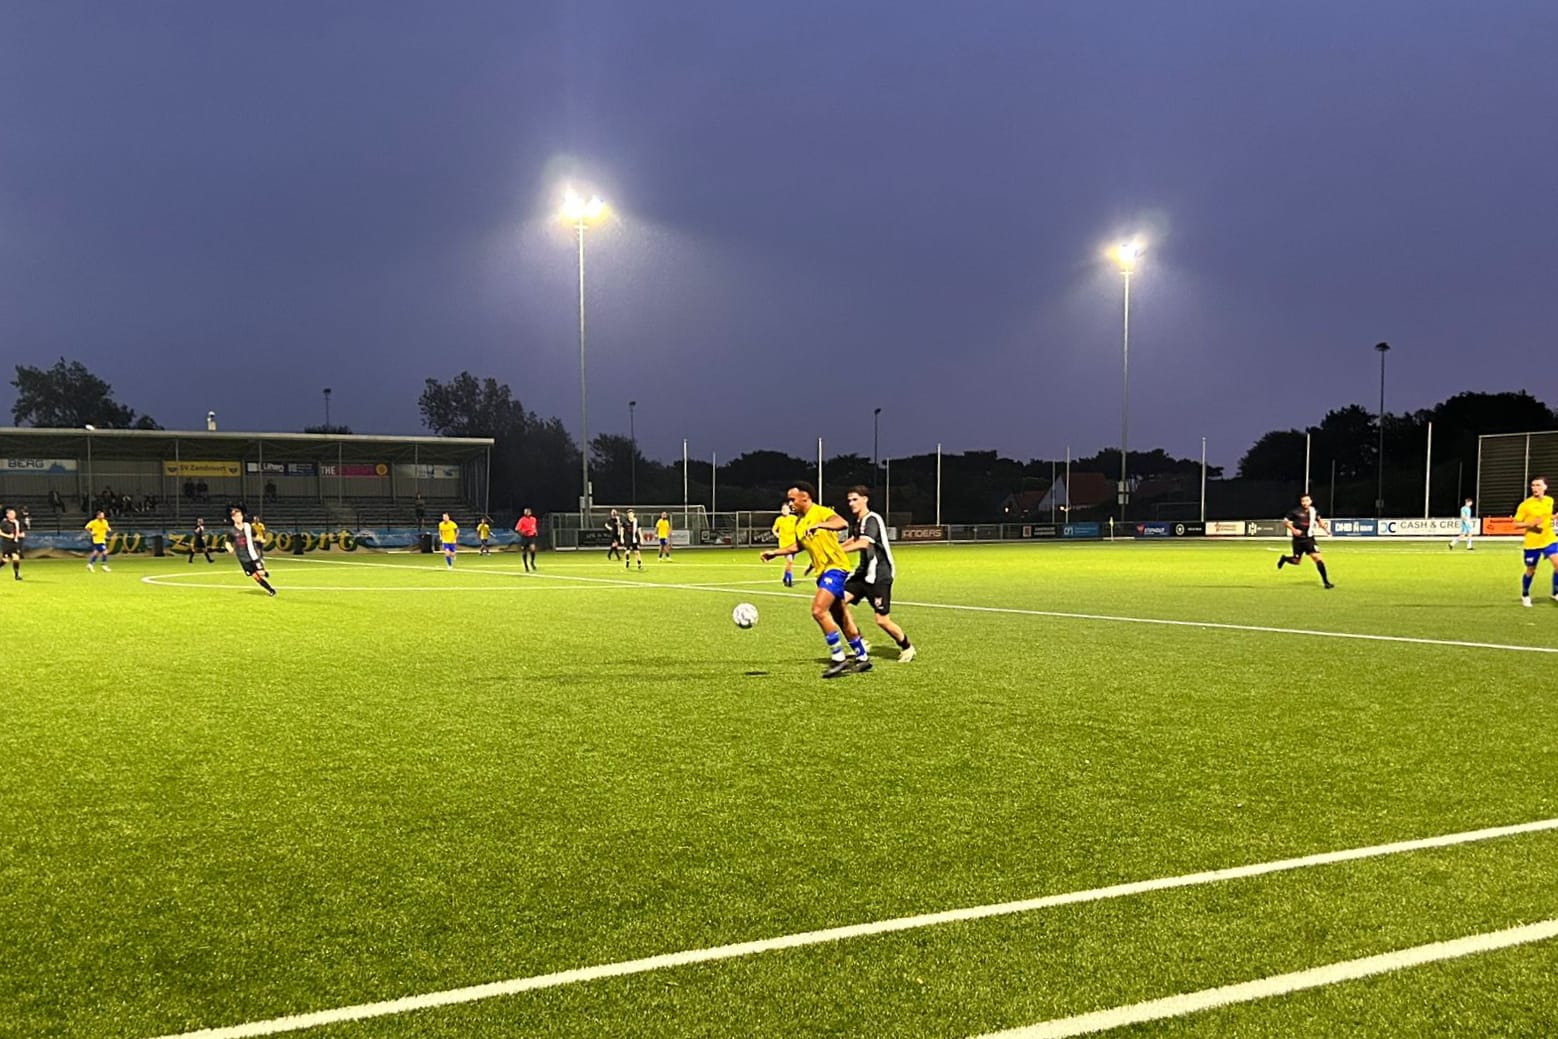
{"x": 393, "y": 779}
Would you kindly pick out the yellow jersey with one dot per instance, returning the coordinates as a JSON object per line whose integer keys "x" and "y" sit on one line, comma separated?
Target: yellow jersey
{"x": 448, "y": 532}
{"x": 662, "y": 529}
{"x": 822, "y": 544}
{"x": 259, "y": 530}
{"x": 1536, "y": 510}
{"x": 483, "y": 531}
{"x": 99, "y": 529}
{"x": 784, "y": 530}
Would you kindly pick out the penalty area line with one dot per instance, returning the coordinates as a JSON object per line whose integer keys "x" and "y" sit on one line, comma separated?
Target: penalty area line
{"x": 1280, "y": 984}
{"x": 624, "y": 968}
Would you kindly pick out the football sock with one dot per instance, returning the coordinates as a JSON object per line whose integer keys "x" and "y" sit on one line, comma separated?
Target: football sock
{"x": 835, "y": 644}
{"x": 1323, "y": 579}
{"x": 1525, "y": 584}
{"x": 903, "y": 643}
{"x": 859, "y": 646}
{"x": 264, "y": 584}
{"x": 1555, "y": 582}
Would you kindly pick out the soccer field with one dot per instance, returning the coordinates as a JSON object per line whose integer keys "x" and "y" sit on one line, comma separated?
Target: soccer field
{"x": 397, "y": 781}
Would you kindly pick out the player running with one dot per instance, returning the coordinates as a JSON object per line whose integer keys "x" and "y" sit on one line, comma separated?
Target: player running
{"x": 200, "y": 542}
{"x": 784, "y": 534}
{"x": 528, "y": 530}
{"x": 449, "y": 538}
{"x": 1535, "y": 519}
{"x": 816, "y": 530}
{"x": 872, "y": 581}
{"x": 11, "y": 534}
{"x": 1301, "y": 524}
{"x": 98, "y": 529}
{"x": 618, "y": 532}
{"x": 1467, "y": 524}
{"x": 246, "y": 547}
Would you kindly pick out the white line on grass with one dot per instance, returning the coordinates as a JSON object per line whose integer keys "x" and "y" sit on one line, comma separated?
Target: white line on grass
{"x": 1280, "y": 984}
{"x": 513, "y": 986}
{"x": 1113, "y": 619}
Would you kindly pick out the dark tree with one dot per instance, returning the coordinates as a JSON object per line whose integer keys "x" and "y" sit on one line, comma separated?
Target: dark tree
{"x": 68, "y": 396}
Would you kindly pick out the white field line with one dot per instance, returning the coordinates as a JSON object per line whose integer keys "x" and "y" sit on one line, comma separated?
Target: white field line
{"x": 1113, "y": 619}
{"x": 513, "y": 986}
{"x": 618, "y": 582}
{"x": 1280, "y": 984}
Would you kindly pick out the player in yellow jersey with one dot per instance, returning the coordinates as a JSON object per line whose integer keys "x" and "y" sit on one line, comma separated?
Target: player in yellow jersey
{"x": 784, "y": 533}
{"x": 483, "y": 534}
{"x": 449, "y": 536}
{"x": 258, "y": 526}
{"x": 98, "y": 529}
{"x": 817, "y": 531}
{"x": 1535, "y": 519}
{"x": 663, "y": 535}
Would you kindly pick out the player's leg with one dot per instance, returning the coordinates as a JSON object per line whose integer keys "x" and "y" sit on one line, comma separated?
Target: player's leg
{"x": 1552, "y": 557}
{"x": 260, "y": 576}
{"x": 881, "y": 610}
{"x": 846, "y": 621}
{"x": 1531, "y": 556}
{"x": 1325, "y": 579}
{"x": 822, "y": 605}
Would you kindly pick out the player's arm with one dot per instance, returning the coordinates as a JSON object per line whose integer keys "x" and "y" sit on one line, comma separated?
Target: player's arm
{"x": 1321, "y": 523}
{"x": 1292, "y": 530}
{"x": 833, "y": 522}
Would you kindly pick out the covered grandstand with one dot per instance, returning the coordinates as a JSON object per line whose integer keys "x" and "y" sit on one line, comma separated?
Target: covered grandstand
{"x": 159, "y": 481}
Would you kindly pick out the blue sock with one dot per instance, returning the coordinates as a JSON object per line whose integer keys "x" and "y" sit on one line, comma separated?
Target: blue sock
{"x": 1555, "y": 582}
{"x": 835, "y": 644}
{"x": 1525, "y": 585}
{"x": 859, "y": 646}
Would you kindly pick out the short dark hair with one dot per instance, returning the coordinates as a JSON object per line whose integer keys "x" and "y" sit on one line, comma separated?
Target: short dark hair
{"x": 805, "y": 488}
{"x": 861, "y": 490}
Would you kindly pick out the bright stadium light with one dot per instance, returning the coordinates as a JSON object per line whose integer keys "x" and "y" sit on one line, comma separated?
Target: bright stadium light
{"x": 1126, "y": 254}
{"x": 581, "y": 213}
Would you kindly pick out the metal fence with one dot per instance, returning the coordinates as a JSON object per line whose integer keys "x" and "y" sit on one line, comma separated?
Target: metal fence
{"x": 1506, "y": 465}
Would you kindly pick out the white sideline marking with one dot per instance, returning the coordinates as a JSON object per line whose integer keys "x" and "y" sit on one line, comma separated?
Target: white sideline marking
{"x": 512, "y": 986}
{"x": 1280, "y": 984}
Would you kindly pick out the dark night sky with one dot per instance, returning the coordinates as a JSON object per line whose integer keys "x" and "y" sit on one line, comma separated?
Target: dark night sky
{"x": 823, "y": 207}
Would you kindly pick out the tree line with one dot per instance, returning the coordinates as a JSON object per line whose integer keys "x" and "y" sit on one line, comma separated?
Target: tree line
{"x": 536, "y": 461}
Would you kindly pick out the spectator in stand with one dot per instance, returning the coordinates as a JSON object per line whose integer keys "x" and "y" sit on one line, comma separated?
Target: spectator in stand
{"x": 56, "y": 503}
{"x": 419, "y": 507}
{"x": 270, "y": 490}
{"x": 202, "y": 492}
{"x": 189, "y": 490}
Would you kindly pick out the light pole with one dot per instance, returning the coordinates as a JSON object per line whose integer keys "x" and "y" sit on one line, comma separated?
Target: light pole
{"x": 327, "y": 409}
{"x": 876, "y": 417}
{"x": 1126, "y": 254}
{"x": 581, "y": 214}
{"x": 633, "y": 459}
{"x": 1379, "y": 496}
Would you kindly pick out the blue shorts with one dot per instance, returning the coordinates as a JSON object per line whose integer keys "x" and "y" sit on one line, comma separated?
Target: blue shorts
{"x": 1534, "y": 555}
{"x": 1466, "y": 528}
{"x": 449, "y": 546}
{"x": 832, "y": 581}
{"x": 664, "y": 542}
{"x": 103, "y": 548}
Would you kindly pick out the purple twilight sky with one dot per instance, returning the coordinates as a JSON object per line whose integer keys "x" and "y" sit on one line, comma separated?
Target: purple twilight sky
{"x": 821, "y": 208}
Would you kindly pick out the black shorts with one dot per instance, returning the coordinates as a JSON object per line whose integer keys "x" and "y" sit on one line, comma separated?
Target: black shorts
{"x": 251, "y": 566}
{"x": 878, "y": 593}
{"x": 1305, "y": 546}
{"x": 10, "y": 547}
{"x": 526, "y": 542}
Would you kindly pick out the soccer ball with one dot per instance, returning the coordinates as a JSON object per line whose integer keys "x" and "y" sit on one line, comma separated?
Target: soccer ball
{"x": 744, "y": 615}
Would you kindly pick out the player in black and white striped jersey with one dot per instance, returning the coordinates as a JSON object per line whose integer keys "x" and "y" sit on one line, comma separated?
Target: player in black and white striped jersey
{"x": 243, "y": 544}
{"x": 872, "y": 581}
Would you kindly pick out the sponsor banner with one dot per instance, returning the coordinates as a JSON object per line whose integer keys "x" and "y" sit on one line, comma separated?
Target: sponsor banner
{"x": 356, "y": 469}
{"x": 428, "y": 472}
{"x": 1419, "y": 527}
{"x": 1496, "y": 526}
{"x": 924, "y": 533}
{"x": 1226, "y": 528}
{"x": 1081, "y": 530}
{"x": 283, "y": 468}
{"x": 1155, "y": 529}
{"x": 1189, "y": 529}
{"x": 1354, "y": 528}
{"x": 201, "y": 469}
{"x": 1040, "y": 530}
{"x": 277, "y": 542}
{"x": 38, "y": 465}
{"x": 1265, "y": 529}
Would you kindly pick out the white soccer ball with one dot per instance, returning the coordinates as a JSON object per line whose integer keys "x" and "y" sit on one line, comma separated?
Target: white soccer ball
{"x": 744, "y": 615}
